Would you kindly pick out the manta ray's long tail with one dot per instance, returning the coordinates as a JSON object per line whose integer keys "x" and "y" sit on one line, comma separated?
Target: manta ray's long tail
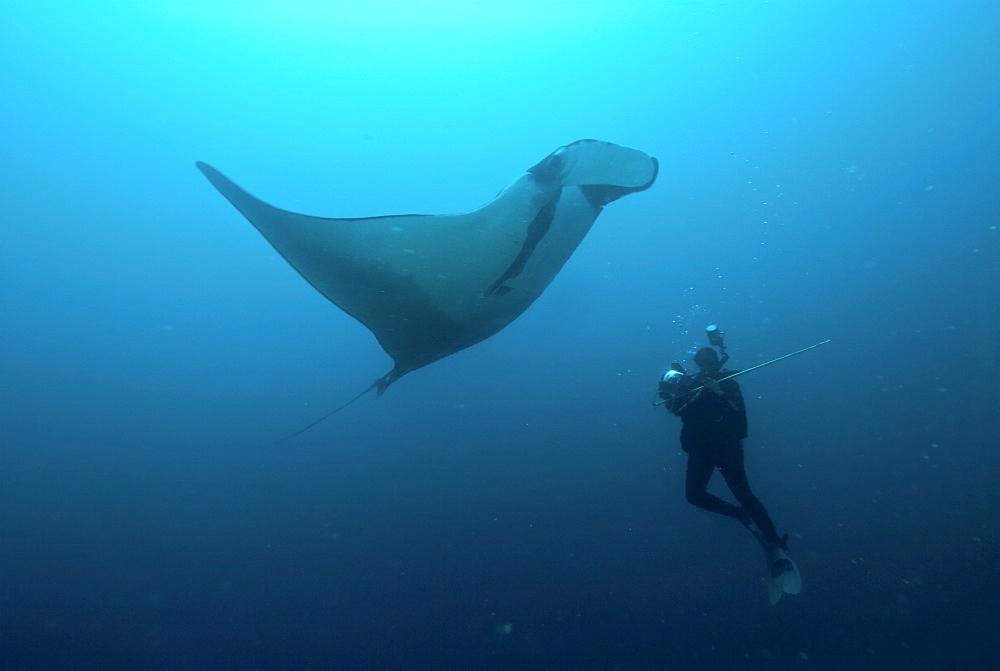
{"x": 378, "y": 385}
{"x": 329, "y": 414}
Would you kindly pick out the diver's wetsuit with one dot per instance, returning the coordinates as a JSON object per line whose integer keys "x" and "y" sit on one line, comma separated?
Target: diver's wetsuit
{"x": 712, "y": 435}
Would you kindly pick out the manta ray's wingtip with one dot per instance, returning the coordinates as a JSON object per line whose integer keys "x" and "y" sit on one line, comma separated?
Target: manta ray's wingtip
{"x": 213, "y": 175}
{"x": 252, "y": 207}
{"x": 205, "y": 168}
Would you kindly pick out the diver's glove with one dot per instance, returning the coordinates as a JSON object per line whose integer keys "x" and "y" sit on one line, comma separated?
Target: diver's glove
{"x": 713, "y": 386}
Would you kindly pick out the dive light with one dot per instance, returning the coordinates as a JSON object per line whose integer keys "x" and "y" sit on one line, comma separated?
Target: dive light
{"x": 714, "y": 336}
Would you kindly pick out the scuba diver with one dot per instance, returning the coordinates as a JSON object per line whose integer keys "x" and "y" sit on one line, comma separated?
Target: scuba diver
{"x": 714, "y": 424}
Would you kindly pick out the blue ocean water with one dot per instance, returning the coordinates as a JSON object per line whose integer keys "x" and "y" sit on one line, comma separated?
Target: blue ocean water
{"x": 828, "y": 170}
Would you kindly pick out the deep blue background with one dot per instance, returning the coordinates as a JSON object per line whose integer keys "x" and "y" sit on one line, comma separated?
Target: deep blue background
{"x": 828, "y": 170}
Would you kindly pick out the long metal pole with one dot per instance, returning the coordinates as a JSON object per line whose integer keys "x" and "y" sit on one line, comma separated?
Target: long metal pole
{"x": 768, "y": 363}
{"x": 760, "y": 365}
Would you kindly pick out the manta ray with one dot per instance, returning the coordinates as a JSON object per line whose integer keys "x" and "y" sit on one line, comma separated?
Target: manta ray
{"x": 428, "y": 286}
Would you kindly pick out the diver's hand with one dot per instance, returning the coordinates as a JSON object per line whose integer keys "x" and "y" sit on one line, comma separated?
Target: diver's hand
{"x": 713, "y": 386}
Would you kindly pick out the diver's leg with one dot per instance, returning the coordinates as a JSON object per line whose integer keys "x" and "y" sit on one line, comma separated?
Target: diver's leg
{"x": 699, "y": 470}
{"x": 735, "y": 474}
